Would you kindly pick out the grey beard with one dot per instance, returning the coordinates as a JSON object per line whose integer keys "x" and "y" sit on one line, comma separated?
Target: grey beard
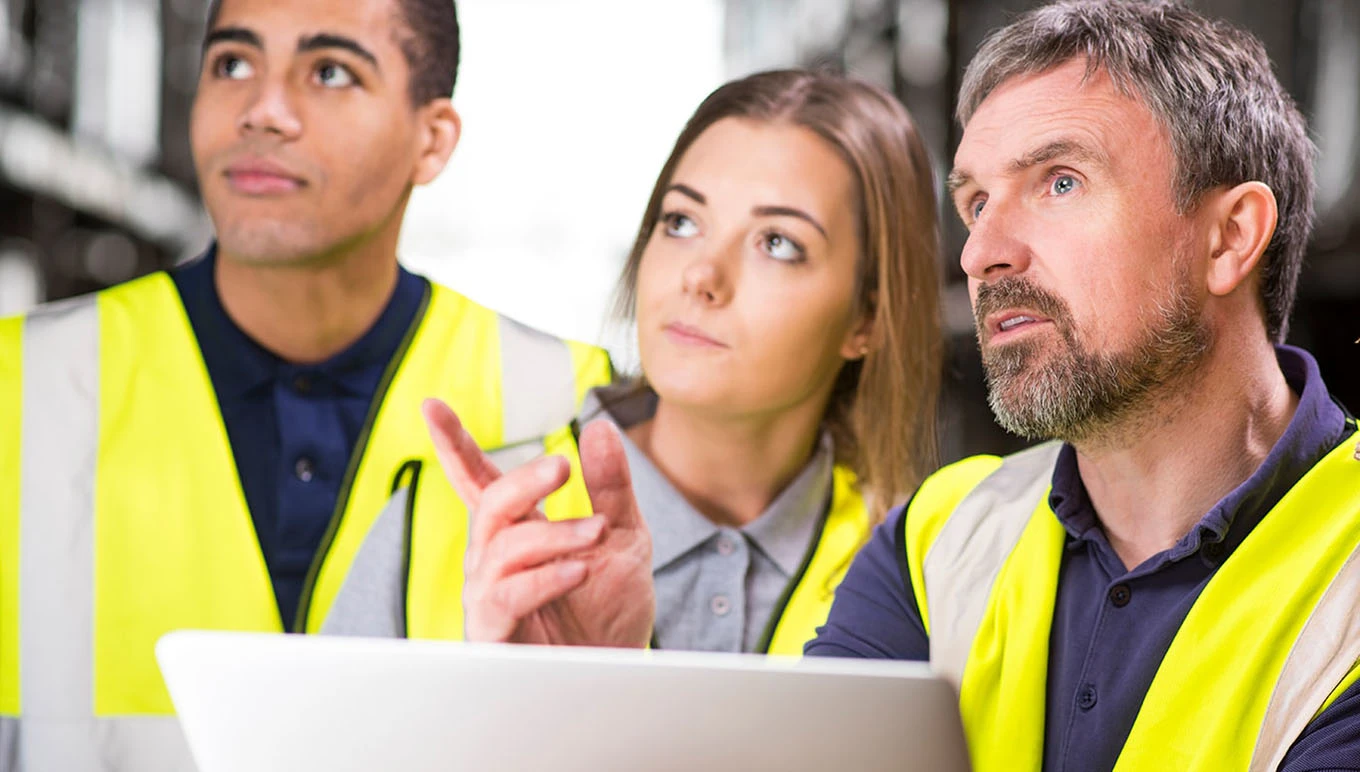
{"x": 1076, "y": 395}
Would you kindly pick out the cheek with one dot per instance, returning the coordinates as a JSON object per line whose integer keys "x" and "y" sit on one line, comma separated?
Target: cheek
{"x": 375, "y": 159}
{"x": 795, "y": 331}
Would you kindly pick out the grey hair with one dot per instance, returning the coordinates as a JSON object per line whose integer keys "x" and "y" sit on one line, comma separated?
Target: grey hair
{"x": 1210, "y": 84}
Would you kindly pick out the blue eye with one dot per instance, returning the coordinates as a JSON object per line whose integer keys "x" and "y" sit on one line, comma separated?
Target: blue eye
{"x": 679, "y": 226}
{"x": 1063, "y": 184}
{"x": 975, "y": 209}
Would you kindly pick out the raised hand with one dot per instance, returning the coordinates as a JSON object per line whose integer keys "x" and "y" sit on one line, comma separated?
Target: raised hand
{"x": 529, "y": 580}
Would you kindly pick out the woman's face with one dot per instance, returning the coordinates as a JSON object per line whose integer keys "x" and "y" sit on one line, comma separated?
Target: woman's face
{"x": 746, "y": 289}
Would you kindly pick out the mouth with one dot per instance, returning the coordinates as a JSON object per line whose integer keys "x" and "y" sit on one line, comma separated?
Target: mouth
{"x": 1006, "y": 324}
{"x": 687, "y": 335}
{"x": 260, "y": 177}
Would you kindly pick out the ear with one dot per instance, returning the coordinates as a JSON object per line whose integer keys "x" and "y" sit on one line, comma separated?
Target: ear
{"x": 858, "y": 343}
{"x": 440, "y": 129}
{"x": 1244, "y": 221}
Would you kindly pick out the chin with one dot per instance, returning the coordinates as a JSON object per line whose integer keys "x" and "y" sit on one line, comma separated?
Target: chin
{"x": 271, "y": 242}
{"x": 691, "y": 387}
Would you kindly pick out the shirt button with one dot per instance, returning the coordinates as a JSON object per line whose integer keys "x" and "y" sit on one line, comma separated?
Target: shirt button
{"x": 302, "y": 384}
{"x": 1086, "y": 697}
{"x": 304, "y": 469}
{"x": 720, "y": 605}
{"x": 1120, "y": 594}
{"x": 726, "y": 546}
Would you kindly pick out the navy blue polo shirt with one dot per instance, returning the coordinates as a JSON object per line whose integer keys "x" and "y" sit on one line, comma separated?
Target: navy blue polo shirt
{"x": 292, "y": 427}
{"x": 1103, "y": 656}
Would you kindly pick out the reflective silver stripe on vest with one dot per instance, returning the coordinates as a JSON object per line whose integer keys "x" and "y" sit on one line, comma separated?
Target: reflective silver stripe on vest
{"x": 58, "y": 729}
{"x": 538, "y": 396}
{"x": 538, "y": 383}
{"x": 60, "y": 441}
{"x": 1327, "y": 648}
{"x": 124, "y": 744}
{"x": 962, "y": 565}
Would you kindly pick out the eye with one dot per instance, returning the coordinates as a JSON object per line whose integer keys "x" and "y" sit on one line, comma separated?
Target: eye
{"x": 1062, "y": 185}
{"x": 679, "y": 226}
{"x": 332, "y": 75}
{"x": 232, "y": 67}
{"x": 781, "y": 247}
{"x": 975, "y": 208}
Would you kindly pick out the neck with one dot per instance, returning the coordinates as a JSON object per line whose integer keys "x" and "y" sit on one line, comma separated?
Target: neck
{"x": 1202, "y": 440}
{"x": 730, "y": 469}
{"x": 309, "y": 311}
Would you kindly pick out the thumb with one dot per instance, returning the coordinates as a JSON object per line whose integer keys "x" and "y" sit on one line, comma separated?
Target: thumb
{"x": 604, "y": 467}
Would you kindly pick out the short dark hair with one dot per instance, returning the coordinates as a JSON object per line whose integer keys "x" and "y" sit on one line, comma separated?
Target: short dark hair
{"x": 1209, "y": 83}
{"x": 427, "y": 34}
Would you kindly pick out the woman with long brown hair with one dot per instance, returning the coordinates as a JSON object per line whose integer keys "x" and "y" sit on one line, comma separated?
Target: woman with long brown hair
{"x": 784, "y": 284}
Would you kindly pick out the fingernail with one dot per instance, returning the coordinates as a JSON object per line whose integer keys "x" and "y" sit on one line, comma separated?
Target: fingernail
{"x": 571, "y": 570}
{"x": 588, "y": 528}
{"x": 547, "y": 468}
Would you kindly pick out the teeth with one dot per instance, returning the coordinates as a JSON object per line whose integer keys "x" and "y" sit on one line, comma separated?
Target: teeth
{"x": 1015, "y": 322}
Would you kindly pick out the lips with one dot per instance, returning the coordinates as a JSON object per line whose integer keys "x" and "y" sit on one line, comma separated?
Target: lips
{"x": 688, "y": 335}
{"x": 263, "y": 177}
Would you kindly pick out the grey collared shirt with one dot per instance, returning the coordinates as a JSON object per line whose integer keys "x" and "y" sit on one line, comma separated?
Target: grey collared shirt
{"x": 716, "y": 586}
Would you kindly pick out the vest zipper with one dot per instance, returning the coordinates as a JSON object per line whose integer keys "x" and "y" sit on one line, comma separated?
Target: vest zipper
{"x": 352, "y": 470}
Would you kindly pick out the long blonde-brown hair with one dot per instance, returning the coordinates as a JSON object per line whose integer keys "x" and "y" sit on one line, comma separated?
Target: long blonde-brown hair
{"x": 881, "y": 415}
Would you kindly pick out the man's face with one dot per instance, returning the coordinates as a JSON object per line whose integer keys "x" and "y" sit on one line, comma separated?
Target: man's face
{"x": 304, "y": 137}
{"x": 1081, "y": 271}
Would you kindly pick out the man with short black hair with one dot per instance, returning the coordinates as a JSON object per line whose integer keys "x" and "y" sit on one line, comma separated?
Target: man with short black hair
{"x": 209, "y": 448}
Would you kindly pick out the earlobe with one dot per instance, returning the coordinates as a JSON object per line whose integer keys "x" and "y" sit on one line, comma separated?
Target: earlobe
{"x": 442, "y": 128}
{"x": 1246, "y": 220}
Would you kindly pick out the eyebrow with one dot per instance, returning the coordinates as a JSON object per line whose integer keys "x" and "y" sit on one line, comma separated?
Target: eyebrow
{"x": 788, "y": 211}
{"x": 1051, "y": 151}
{"x": 759, "y": 211}
{"x": 232, "y": 35}
{"x": 307, "y": 43}
{"x": 327, "y": 40}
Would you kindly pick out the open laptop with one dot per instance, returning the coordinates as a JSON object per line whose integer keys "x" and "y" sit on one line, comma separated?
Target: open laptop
{"x": 285, "y": 702}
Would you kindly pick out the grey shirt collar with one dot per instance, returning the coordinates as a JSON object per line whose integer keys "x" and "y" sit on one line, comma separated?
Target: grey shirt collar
{"x": 783, "y": 532}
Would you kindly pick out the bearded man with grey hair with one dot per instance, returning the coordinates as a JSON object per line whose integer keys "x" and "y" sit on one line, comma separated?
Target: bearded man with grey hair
{"x": 1171, "y": 582}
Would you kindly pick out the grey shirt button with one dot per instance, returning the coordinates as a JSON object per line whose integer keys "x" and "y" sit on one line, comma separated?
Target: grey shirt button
{"x": 720, "y": 605}
{"x": 726, "y": 546}
{"x": 304, "y": 469}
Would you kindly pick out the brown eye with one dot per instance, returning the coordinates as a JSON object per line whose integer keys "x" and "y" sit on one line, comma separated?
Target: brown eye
{"x": 232, "y": 67}
{"x": 781, "y": 247}
{"x": 332, "y": 75}
{"x": 679, "y": 226}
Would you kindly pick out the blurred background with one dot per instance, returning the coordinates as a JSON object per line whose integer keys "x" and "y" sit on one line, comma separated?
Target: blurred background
{"x": 570, "y": 108}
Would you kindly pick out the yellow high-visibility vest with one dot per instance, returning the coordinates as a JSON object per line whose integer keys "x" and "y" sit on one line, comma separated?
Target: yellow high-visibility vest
{"x": 1273, "y": 639}
{"x": 122, "y": 515}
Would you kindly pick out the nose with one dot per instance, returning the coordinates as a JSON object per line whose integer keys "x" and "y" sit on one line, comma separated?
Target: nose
{"x": 271, "y": 112}
{"x": 708, "y": 278}
{"x": 996, "y": 246}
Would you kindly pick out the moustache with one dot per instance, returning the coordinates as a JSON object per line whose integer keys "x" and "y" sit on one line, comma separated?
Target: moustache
{"x": 1017, "y": 292}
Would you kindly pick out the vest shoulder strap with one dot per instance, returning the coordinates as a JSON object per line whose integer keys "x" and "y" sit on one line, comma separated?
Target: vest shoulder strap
{"x": 962, "y": 565}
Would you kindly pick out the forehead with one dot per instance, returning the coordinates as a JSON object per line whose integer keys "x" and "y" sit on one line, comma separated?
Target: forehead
{"x": 1060, "y": 104}
{"x": 782, "y": 162}
{"x": 282, "y": 22}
